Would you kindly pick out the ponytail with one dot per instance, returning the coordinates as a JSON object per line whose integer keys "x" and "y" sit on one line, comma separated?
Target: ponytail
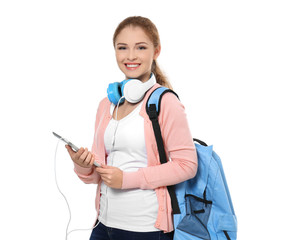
{"x": 160, "y": 77}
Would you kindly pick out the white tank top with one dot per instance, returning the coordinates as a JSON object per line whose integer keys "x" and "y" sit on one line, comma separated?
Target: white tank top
{"x": 130, "y": 209}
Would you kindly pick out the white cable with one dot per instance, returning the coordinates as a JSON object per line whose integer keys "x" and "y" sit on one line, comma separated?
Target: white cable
{"x": 69, "y": 210}
{"x": 118, "y": 107}
{"x": 66, "y": 234}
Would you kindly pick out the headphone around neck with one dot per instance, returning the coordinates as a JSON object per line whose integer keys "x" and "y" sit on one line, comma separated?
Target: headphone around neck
{"x": 133, "y": 90}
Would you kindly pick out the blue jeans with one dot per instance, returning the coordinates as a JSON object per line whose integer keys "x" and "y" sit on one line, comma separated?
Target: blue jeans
{"x": 101, "y": 232}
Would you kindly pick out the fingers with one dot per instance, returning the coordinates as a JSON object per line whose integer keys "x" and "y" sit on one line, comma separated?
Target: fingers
{"x": 107, "y": 178}
{"x": 106, "y": 174}
{"x": 112, "y": 176}
{"x": 88, "y": 159}
{"x": 105, "y": 169}
{"x": 83, "y": 157}
{"x": 102, "y": 170}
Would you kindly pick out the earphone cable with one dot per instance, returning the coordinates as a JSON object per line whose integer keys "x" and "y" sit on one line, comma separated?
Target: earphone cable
{"x": 118, "y": 107}
{"x": 55, "y": 175}
{"x": 69, "y": 209}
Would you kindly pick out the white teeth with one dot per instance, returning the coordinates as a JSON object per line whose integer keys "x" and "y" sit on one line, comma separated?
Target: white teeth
{"x": 132, "y": 65}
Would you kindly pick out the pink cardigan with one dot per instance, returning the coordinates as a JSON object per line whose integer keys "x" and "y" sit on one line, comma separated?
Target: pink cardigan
{"x": 177, "y": 141}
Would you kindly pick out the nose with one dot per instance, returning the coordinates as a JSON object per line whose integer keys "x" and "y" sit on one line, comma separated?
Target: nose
{"x": 131, "y": 55}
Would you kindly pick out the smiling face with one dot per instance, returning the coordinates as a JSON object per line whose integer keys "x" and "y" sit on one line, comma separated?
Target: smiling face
{"x": 135, "y": 53}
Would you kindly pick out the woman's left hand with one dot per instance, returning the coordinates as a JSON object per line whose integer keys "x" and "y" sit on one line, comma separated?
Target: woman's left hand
{"x": 112, "y": 176}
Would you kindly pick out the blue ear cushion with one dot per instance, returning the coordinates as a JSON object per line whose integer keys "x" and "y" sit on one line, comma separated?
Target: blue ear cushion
{"x": 114, "y": 92}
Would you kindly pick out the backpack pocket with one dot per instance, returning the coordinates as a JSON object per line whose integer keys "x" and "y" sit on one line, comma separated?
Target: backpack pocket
{"x": 196, "y": 218}
{"x": 227, "y": 227}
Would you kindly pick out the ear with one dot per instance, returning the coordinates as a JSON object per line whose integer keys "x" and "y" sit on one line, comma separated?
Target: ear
{"x": 157, "y": 52}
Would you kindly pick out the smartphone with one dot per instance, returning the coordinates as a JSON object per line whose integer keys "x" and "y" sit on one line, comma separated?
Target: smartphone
{"x": 74, "y": 147}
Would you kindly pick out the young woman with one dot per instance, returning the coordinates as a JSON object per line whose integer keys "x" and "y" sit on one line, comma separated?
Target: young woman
{"x": 132, "y": 199}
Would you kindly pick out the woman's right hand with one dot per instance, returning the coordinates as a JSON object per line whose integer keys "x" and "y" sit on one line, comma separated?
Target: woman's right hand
{"x": 83, "y": 157}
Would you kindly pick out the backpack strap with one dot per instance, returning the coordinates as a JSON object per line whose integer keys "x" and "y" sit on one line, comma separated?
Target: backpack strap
{"x": 153, "y": 109}
{"x": 200, "y": 142}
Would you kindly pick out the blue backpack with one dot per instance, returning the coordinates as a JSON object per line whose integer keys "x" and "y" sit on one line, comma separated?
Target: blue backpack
{"x": 202, "y": 206}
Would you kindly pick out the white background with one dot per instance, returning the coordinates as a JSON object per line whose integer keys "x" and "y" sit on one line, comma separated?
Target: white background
{"x": 223, "y": 58}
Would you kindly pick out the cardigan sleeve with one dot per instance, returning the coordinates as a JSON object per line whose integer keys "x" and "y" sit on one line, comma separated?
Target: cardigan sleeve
{"x": 89, "y": 175}
{"x": 178, "y": 144}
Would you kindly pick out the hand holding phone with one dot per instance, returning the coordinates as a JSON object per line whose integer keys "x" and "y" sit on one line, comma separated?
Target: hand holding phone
{"x": 82, "y": 156}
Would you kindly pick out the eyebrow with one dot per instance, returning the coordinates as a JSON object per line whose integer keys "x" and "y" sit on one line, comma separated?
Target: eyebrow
{"x": 135, "y": 43}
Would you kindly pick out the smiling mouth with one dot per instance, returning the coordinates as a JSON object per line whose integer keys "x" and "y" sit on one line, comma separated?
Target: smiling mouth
{"x": 132, "y": 66}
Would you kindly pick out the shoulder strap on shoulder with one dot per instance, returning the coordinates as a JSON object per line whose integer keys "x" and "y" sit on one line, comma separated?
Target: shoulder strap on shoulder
{"x": 156, "y": 97}
{"x": 153, "y": 109}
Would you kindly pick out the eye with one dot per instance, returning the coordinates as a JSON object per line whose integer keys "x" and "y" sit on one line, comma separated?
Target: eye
{"x": 142, "y": 48}
{"x": 121, "y": 48}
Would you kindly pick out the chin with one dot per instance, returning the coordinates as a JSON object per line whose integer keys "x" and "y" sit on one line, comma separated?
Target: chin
{"x": 135, "y": 76}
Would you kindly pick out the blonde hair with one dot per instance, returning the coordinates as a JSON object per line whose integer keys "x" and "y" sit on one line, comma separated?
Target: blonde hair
{"x": 152, "y": 32}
